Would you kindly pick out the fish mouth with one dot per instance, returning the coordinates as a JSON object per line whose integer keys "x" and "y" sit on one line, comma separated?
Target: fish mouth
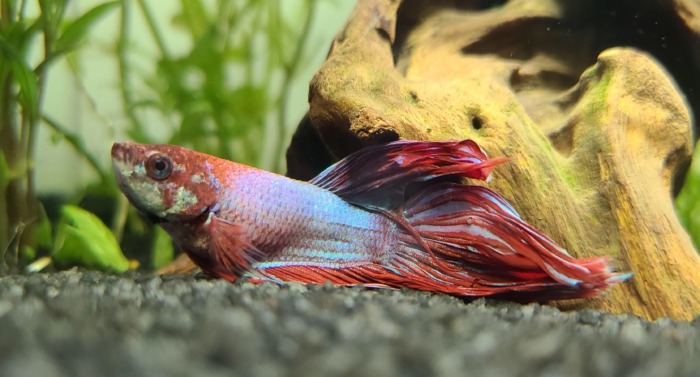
{"x": 123, "y": 156}
{"x": 123, "y": 152}
{"x": 155, "y": 219}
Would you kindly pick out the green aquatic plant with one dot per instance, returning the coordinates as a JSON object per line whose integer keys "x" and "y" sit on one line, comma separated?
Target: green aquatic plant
{"x": 50, "y": 35}
{"x": 228, "y": 93}
{"x": 83, "y": 239}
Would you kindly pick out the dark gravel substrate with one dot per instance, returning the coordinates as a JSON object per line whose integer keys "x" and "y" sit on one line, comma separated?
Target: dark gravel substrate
{"x": 91, "y": 324}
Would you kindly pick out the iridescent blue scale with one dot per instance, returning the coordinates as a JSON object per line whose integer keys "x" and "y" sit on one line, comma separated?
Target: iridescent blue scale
{"x": 297, "y": 223}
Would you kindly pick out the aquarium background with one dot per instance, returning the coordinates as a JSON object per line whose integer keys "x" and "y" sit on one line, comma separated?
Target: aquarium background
{"x": 183, "y": 83}
{"x": 229, "y": 78}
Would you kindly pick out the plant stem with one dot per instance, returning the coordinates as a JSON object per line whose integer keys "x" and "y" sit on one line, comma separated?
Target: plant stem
{"x": 77, "y": 143}
{"x": 121, "y": 212}
{"x": 151, "y": 22}
{"x": 289, "y": 72}
{"x": 22, "y": 8}
{"x": 8, "y": 141}
{"x": 125, "y": 73}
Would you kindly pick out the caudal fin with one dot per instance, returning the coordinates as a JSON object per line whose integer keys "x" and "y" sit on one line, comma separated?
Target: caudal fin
{"x": 473, "y": 242}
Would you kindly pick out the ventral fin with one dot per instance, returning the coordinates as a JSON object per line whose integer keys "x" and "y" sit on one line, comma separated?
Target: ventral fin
{"x": 377, "y": 176}
{"x": 232, "y": 252}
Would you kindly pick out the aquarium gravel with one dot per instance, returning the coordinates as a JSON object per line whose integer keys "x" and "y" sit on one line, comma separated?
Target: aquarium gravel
{"x": 92, "y": 324}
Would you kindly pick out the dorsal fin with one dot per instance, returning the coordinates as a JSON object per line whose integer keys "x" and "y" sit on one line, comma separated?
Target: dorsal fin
{"x": 377, "y": 176}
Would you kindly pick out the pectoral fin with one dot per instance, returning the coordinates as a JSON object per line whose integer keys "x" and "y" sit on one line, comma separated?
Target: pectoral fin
{"x": 232, "y": 253}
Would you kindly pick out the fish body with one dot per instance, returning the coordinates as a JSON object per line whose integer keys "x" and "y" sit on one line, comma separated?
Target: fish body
{"x": 386, "y": 216}
{"x": 299, "y": 224}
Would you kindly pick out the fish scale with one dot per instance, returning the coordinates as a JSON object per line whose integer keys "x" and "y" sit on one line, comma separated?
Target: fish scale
{"x": 299, "y": 225}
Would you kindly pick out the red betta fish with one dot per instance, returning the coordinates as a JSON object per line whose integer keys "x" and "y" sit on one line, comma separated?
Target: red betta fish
{"x": 386, "y": 216}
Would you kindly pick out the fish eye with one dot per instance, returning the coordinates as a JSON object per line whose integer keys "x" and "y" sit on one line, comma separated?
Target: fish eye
{"x": 159, "y": 166}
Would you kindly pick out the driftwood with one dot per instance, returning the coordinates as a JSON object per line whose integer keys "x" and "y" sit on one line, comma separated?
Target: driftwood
{"x": 596, "y": 135}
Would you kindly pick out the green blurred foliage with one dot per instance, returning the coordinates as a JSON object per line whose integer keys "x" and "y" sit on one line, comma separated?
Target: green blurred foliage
{"x": 688, "y": 200}
{"x": 50, "y": 36}
{"x": 82, "y": 239}
{"x": 75, "y": 31}
{"x": 227, "y": 94}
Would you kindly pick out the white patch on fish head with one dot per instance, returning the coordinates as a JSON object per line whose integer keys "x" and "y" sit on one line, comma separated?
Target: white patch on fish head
{"x": 145, "y": 193}
{"x": 183, "y": 200}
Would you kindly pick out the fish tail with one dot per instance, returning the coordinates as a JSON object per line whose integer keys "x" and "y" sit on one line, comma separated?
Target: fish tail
{"x": 458, "y": 239}
{"x": 467, "y": 240}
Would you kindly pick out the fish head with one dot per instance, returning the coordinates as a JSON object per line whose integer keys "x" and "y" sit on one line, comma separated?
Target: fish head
{"x": 168, "y": 183}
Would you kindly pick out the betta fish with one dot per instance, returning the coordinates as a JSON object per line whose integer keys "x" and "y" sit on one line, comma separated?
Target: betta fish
{"x": 394, "y": 215}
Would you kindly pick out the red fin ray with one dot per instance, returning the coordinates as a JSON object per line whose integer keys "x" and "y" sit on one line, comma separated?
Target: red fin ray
{"x": 470, "y": 228}
{"x": 424, "y": 278}
{"x": 232, "y": 252}
{"x": 470, "y": 243}
{"x": 377, "y": 176}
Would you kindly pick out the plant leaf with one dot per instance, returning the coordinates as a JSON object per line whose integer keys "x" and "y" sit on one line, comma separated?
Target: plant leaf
{"x": 84, "y": 240}
{"x": 24, "y": 76}
{"x": 74, "y": 32}
{"x": 28, "y": 84}
{"x": 194, "y": 17}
